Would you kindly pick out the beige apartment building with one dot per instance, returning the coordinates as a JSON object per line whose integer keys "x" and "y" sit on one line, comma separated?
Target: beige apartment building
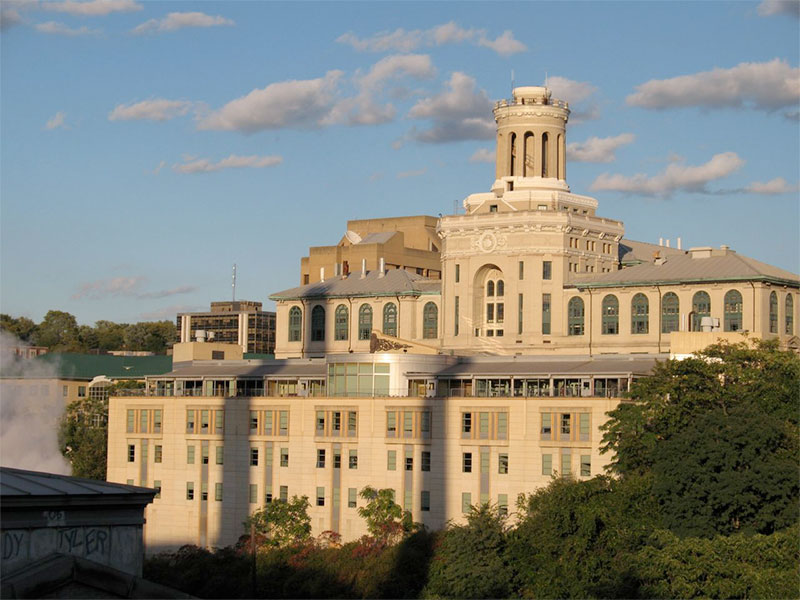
{"x": 239, "y": 322}
{"x": 472, "y": 377}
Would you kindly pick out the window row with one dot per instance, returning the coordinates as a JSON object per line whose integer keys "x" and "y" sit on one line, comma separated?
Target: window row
{"x": 467, "y": 506}
{"x": 269, "y": 422}
{"x": 336, "y": 423}
{"x": 158, "y": 453}
{"x": 409, "y": 424}
{"x": 268, "y": 456}
{"x": 484, "y": 425}
{"x": 484, "y": 462}
{"x": 205, "y": 421}
{"x": 408, "y": 460}
{"x": 563, "y": 465}
{"x": 566, "y": 427}
{"x": 341, "y": 324}
{"x": 352, "y": 459}
{"x": 143, "y": 420}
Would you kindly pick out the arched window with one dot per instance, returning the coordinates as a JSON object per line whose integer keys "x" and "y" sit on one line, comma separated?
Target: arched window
{"x": 575, "y": 316}
{"x": 528, "y": 167}
{"x": 610, "y": 315}
{"x": 430, "y": 321}
{"x": 501, "y": 287}
{"x": 317, "y": 324}
{"x": 789, "y": 330}
{"x": 559, "y": 157}
{"x": 545, "y": 165}
{"x": 490, "y": 288}
{"x": 773, "y": 312}
{"x": 733, "y": 311}
{"x": 390, "y": 319}
{"x": 701, "y": 307}
{"x": 341, "y": 323}
{"x": 364, "y": 322}
{"x": 640, "y": 314}
{"x": 295, "y": 324}
{"x": 512, "y": 149}
{"x": 670, "y": 312}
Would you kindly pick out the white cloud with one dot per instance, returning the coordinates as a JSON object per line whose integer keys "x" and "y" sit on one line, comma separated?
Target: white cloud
{"x": 578, "y": 94}
{"x": 157, "y": 109}
{"x": 407, "y": 174}
{"x": 483, "y": 155}
{"x": 55, "y": 28}
{"x": 771, "y": 188}
{"x": 764, "y": 86}
{"x": 92, "y": 8}
{"x": 9, "y": 17}
{"x": 504, "y": 45}
{"x": 203, "y": 165}
{"x": 178, "y": 20}
{"x": 458, "y": 113}
{"x": 56, "y": 121}
{"x": 401, "y": 40}
{"x": 301, "y": 104}
{"x": 598, "y": 150}
{"x": 768, "y": 8}
{"x": 676, "y": 177}
{"x": 125, "y": 286}
{"x": 364, "y": 108}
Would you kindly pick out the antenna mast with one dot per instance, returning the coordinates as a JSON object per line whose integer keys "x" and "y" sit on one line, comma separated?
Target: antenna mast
{"x": 233, "y": 282}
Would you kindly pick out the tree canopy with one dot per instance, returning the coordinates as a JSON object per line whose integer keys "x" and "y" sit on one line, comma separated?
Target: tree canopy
{"x": 83, "y": 437}
{"x": 280, "y": 523}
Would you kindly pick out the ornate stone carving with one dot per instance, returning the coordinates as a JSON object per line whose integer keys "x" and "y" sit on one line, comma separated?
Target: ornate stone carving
{"x": 377, "y": 344}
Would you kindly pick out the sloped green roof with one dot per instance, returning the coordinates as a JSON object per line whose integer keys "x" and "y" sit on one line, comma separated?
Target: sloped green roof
{"x": 258, "y": 356}
{"x": 70, "y": 365}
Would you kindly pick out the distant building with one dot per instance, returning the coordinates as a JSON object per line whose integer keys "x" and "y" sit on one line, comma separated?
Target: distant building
{"x": 239, "y": 322}
{"x": 22, "y": 351}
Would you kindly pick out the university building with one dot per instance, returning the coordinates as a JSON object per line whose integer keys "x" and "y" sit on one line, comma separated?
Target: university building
{"x": 240, "y": 322}
{"x": 472, "y": 378}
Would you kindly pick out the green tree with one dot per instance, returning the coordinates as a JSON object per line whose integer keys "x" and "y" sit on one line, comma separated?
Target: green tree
{"x": 279, "y": 523}
{"x": 160, "y": 336}
{"x": 470, "y": 560}
{"x": 386, "y": 520}
{"x": 58, "y": 332}
{"x": 135, "y": 336}
{"x": 110, "y": 335}
{"x": 719, "y": 435}
{"x": 21, "y": 327}
{"x": 83, "y": 437}
{"x": 576, "y": 539}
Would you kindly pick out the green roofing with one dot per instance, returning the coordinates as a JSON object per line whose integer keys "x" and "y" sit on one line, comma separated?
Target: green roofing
{"x": 258, "y": 356}
{"x": 70, "y": 365}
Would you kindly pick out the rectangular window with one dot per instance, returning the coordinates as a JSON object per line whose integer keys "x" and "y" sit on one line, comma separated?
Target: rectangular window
{"x": 65, "y": 391}
{"x": 502, "y": 464}
{"x": 284, "y": 422}
{"x": 337, "y": 421}
{"x": 391, "y": 423}
{"x": 566, "y": 426}
{"x": 484, "y": 424}
{"x": 268, "y": 430}
{"x": 391, "y": 460}
{"x": 284, "y": 457}
{"x": 425, "y": 501}
{"x": 351, "y": 497}
{"x": 253, "y": 493}
{"x": 190, "y": 421}
{"x": 502, "y": 504}
{"x": 425, "y": 461}
{"x": 547, "y": 464}
{"x": 466, "y": 502}
{"x": 320, "y": 496}
{"x": 204, "y": 491}
{"x": 408, "y": 423}
{"x": 521, "y": 270}
{"x": 546, "y": 314}
{"x": 81, "y": 391}
{"x": 547, "y": 269}
{"x": 157, "y": 454}
{"x": 547, "y": 427}
{"x": 566, "y": 463}
{"x": 284, "y": 493}
{"x": 204, "y": 453}
{"x": 409, "y": 460}
{"x": 131, "y": 453}
{"x": 218, "y": 492}
{"x": 131, "y": 421}
{"x": 204, "y": 421}
{"x": 353, "y": 459}
{"x": 220, "y": 454}
{"x": 157, "y": 486}
{"x": 253, "y": 457}
{"x": 466, "y": 462}
{"x": 219, "y": 421}
{"x": 502, "y": 425}
{"x": 519, "y": 314}
{"x": 586, "y": 465}
{"x": 425, "y": 422}
{"x": 458, "y": 273}
{"x": 190, "y": 490}
{"x": 490, "y": 313}
{"x": 157, "y": 421}
{"x": 337, "y": 459}
{"x": 455, "y": 316}
{"x": 583, "y": 426}
{"x": 269, "y": 456}
{"x": 189, "y": 455}
{"x": 254, "y": 422}
{"x": 485, "y": 457}
{"x": 466, "y": 423}
{"x": 320, "y": 458}
{"x": 352, "y": 422}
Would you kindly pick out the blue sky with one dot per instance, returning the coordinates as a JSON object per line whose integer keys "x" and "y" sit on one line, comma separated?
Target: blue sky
{"x": 148, "y": 146}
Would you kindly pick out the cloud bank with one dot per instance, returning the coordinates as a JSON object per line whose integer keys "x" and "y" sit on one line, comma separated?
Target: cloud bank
{"x": 91, "y": 8}
{"x": 125, "y": 287}
{"x": 203, "y": 165}
{"x": 598, "y": 150}
{"x": 180, "y": 20}
{"x": 157, "y": 109}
